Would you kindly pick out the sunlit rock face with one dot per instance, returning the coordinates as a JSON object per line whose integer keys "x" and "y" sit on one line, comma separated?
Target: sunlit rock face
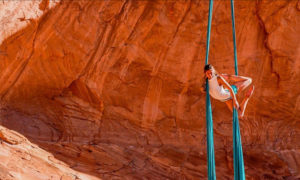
{"x": 17, "y": 14}
{"x": 21, "y": 159}
{"x": 112, "y": 88}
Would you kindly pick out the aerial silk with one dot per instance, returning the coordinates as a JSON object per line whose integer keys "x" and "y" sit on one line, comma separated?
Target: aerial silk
{"x": 239, "y": 172}
{"x": 238, "y": 160}
{"x": 209, "y": 122}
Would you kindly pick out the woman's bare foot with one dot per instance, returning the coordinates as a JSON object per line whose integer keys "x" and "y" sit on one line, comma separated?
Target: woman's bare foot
{"x": 245, "y": 101}
{"x": 240, "y": 114}
{"x": 250, "y": 92}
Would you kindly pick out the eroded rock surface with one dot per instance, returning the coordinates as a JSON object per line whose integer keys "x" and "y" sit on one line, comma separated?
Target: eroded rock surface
{"x": 15, "y": 15}
{"x": 21, "y": 159}
{"x": 112, "y": 88}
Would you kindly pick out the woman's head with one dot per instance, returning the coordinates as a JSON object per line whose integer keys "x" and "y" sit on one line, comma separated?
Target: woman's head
{"x": 209, "y": 71}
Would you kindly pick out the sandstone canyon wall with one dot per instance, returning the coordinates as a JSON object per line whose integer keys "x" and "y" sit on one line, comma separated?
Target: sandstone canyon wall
{"x": 21, "y": 159}
{"x": 112, "y": 87}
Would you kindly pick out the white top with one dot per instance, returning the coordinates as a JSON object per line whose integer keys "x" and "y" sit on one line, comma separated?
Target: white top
{"x": 217, "y": 91}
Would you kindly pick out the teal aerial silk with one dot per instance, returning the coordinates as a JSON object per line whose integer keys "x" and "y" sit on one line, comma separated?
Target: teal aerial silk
{"x": 238, "y": 160}
{"x": 239, "y": 171}
{"x": 209, "y": 121}
{"x": 210, "y": 138}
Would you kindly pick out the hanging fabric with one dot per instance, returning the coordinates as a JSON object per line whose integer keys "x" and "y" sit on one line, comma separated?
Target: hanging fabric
{"x": 209, "y": 121}
{"x": 239, "y": 172}
{"x": 238, "y": 160}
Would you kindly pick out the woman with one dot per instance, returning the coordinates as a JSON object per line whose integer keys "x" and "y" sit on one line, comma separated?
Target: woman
{"x": 220, "y": 89}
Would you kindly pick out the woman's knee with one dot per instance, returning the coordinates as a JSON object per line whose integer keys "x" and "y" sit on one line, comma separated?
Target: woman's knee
{"x": 243, "y": 85}
{"x": 249, "y": 81}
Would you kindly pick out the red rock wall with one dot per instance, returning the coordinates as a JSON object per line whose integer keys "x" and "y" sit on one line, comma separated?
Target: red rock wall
{"x": 116, "y": 84}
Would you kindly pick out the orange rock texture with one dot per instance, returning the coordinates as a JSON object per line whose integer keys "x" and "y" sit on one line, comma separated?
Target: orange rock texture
{"x": 112, "y": 88}
{"x": 21, "y": 159}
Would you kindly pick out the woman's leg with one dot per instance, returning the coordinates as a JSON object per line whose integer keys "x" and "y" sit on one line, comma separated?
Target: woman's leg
{"x": 240, "y": 82}
{"x": 229, "y": 104}
{"x": 243, "y": 105}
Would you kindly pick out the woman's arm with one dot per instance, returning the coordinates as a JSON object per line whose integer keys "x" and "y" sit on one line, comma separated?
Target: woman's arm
{"x": 203, "y": 89}
{"x": 203, "y": 85}
{"x": 227, "y": 77}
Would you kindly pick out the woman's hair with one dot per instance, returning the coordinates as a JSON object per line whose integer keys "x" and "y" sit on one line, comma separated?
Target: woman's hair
{"x": 208, "y": 67}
